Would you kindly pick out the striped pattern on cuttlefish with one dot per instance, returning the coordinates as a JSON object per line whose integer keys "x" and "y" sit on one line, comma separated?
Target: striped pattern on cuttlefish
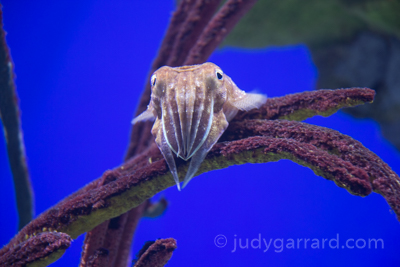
{"x": 192, "y": 106}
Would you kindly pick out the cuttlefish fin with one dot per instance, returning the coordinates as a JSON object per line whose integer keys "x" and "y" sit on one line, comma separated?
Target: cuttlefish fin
{"x": 243, "y": 102}
{"x": 249, "y": 101}
{"x": 218, "y": 127}
{"x": 147, "y": 115}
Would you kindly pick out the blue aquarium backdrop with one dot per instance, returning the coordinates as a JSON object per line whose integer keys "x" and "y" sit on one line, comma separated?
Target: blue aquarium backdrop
{"x": 81, "y": 67}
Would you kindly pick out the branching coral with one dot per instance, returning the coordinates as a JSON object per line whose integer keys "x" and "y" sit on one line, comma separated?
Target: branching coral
{"x": 156, "y": 253}
{"x": 256, "y": 136}
{"x": 250, "y": 140}
{"x": 40, "y": 249}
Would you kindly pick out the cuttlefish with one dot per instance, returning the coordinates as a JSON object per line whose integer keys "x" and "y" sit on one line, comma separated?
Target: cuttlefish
{"x": 192, "y": 106}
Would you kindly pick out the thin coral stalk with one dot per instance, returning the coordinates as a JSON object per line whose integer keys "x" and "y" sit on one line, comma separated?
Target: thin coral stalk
{"x": 190, "y": 31}
{"x": 124, "y": 250}
{"x": 217, "y": 29}
{"x": 9, "y": 114}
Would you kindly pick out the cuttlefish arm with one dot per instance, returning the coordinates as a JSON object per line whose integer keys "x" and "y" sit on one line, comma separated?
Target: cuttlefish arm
{"x": 218, "y": 127}
{"x": 159, "y": 132}
{"x": 165, "y": 150}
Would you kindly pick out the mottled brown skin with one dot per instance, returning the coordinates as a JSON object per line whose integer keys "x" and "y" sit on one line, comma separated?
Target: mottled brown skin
{"x": 192, "y": 106}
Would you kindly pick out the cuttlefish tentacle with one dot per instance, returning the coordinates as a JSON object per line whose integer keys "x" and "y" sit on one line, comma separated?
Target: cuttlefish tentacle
{"x": 192, "y": 106}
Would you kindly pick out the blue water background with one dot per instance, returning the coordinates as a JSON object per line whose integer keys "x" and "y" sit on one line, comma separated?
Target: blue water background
{"x": 81, "y": 67}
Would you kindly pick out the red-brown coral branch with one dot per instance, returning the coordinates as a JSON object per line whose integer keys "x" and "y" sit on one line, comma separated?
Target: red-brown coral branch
{"x": 177, "y": 21}
{"x": 111, "y": 235}
{"x": 93, "y": 241}
{"x": 157, "y": 253}
{"x": 43, "y": 246}
{"x": 217, "y": 29}
{"x": 106, "y": 236}
{"x": 331, "y": 167}
{"x": 190, "y": 30}
{"x": 124, "y": 250}
{"x": 304, "y": 105}
{"x": 9, "y": 114}
{"x": 120, "y": 195}
{"x": 98, "y": 258}
{"x": 382, "y": 178}
{"x": 115, "y": 235}
{"x": 65, "y": 216}
{"x": 141, "y": 177}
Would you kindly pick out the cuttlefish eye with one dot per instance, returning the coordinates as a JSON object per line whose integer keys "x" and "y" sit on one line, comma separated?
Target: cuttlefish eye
{"x": 153, "y": 80}
{"x": 219, "y": 73}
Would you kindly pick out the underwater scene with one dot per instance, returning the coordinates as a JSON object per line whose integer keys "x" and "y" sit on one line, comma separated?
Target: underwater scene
{"x": 80, "y": 70}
